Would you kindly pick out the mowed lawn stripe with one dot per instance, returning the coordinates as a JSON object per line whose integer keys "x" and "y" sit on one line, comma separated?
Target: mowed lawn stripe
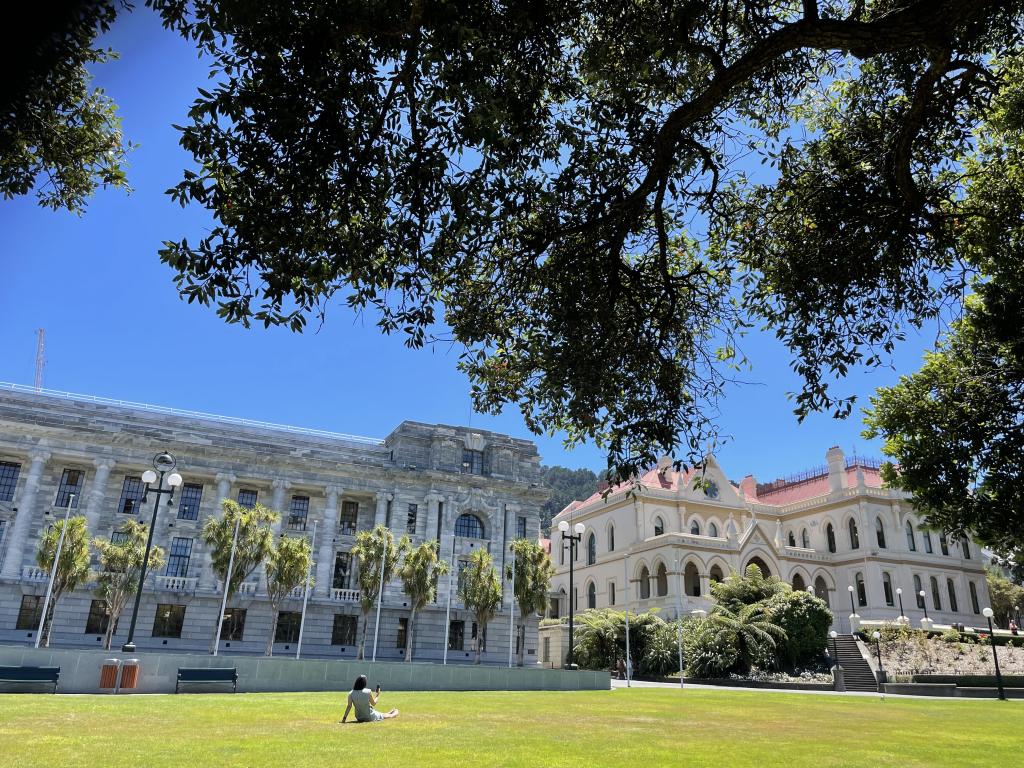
{"x": 648, "y": 727}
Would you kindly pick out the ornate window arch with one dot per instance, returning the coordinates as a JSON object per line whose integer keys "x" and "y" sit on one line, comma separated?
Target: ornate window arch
{"x": 469, "y": 526}
{"x": 712, "y": 529}
{"x": 880, "y": 532}
{"x": 591, "y": 596}
{"x": 591, "y": 549}
{"x": 662, "y": 578}
{"x": 611, "y": 537}
{"x": 659, "y": 526}
{"x": 691, "y": 580}
{"x": 799, "y": 584}
{"x": 854, "y": 534}
{"x": 830, "y": 538}
{"x": 887, "y": 588}
{"x": 911, "y": 539}
{"x": 791, "y": 539}
{"x": 936, "y": 595}
{"x": 918, "y": 592}
{"x": 645, "y": 583}
{"x": 862, "y": 594}
{"x": 694, "y": 528}
{"x": 951, "y": 589}
{"x": 805, "y": 539}
{"x": 975, "y": 606}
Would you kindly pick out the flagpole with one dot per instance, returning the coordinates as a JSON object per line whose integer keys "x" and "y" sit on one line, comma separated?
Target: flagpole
{"x": 305, "y": 591}
{"x": 227, "y": 582}
{"x": 53, "y": 568}
{"x": 512, "y": 607}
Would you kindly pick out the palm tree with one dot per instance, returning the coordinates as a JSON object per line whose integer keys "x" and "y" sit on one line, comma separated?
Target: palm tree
{"x": 748, "y": 630}
{"x": 287, "y": 568}
{"x": 370, "y": 549}
{"x": 71, "y": 570}
{"x": 121, "y": 563}
{"x": 480, "y": 590}
{"x": 533, "y": 573}
{"x": 255, "y": 542}
{"x": 419, "y": 573}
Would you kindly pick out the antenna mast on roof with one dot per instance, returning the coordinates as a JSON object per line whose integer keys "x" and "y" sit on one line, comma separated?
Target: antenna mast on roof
{"x": 40, "y": 357}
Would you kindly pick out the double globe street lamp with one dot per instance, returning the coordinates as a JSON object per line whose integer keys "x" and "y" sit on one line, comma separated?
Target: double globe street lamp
{"x": 572, "y": 542}
{"x": 164, "y": 464}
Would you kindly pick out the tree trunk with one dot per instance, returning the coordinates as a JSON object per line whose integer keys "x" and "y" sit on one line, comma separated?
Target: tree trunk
{"x": 408, "y": 635}
{"x": 521, "y": 633}
{"x": 274, "y": 613}
{"x": 479, "y": 641}
{"x": 362, "y": 641}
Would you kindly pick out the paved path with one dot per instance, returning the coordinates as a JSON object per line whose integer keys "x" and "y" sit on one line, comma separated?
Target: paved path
{"x": 695, "y": 687}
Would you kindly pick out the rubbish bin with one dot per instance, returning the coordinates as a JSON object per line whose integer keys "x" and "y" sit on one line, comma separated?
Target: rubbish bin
{"x": 108, "y": 674}
{"x": 129, "y": 674}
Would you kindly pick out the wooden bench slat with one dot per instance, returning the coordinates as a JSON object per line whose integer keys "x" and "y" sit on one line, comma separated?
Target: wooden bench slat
{"x": 207, "y": 675}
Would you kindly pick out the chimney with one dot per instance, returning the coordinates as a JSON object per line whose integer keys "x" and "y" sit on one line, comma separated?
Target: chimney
{"x": 836, "y": 468}
{"x": 748, "y": 486}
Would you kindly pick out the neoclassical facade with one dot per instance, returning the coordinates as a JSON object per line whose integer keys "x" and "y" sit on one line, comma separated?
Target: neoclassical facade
{"x": 827, "y": 529}
{"x": 469, "y": 489}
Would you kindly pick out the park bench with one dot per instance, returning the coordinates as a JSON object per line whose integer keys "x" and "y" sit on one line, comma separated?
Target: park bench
{"x": 28, "y": 675}
{"x": 207, "y": 675}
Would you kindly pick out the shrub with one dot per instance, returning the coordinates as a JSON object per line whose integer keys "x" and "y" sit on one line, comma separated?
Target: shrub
{"x": 706, "y": 655}
{"x": 950, "y": 636}
{"x": 805, "y": 619}
{"x": 735, "y": 590}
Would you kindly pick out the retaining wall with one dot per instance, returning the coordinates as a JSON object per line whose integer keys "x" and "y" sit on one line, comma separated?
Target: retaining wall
{"x": 80, "y": 673}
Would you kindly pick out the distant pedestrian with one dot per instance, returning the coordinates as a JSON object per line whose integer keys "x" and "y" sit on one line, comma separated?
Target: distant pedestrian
{"x": 621, "y": 668}
{"x": 1013, "y": 627}
{"x": 363, "y": 701}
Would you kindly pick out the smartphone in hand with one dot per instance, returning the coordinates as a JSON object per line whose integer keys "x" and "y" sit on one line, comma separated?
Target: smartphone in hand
{"x": 378, "y": 689}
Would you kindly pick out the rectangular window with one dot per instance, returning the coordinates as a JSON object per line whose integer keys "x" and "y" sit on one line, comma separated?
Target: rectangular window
{"x": 8, "y": 479}
{"x": 247, "y": 497}
{"x": 349, "y": 516}
{"x": 298, "y": 513}
{"x": 520, "y": 527}
{"x": 30, "y": 612}
{"x": 131, "y": 495}
{"x": 233, "y": 627}
{"x": 118, "y": 537}
{"x": 463, "y": 565}
{"x": 70, "y": 488}
{"x": 403, "y": 634}
{"x": 342, "y": 571}
{"x": 344, "y": 631}
{"x": 191, "y": 498}
{"x": 287, "y": 627}
{"x": 410, "y": 519}
{"x": 480, "y": 637}
{"x": 456, "y": 633}
{"x": 611, "y": 593}
{"x": 169, "y": 620}
{"x": 473, "y": 462}
{"x": 98, "y": 619}
{"x": 178, "y": 556}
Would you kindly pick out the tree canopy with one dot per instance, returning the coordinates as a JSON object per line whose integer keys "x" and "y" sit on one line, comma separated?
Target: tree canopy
{"x": 566, "y": 188}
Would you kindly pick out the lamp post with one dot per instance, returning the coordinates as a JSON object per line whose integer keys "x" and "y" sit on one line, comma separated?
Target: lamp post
{"x": 899, "y": 596}
{"x": 164, "y": 463}
{"x": 679, "y": 619}
{"x": 995, "y": 657}
{"x": 572, "y": 541}
{"x": 625, "y": 584}
{"x": 512, "y": 606}
{"x": 1017, "y": 608}
{"x": 924, "y": 603}
{"x": 53, "y": 568}
{"x": 877, "y": 637}
{"x": 838, "y": 674}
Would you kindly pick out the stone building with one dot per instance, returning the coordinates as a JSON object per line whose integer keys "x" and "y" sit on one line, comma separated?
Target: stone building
{"x": 467, "y": 488}
{"x": 827, "y": 529}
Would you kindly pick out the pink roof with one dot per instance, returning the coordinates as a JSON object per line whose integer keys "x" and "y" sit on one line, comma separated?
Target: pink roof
{"x": 667, "y": 480}
{"x": 816, "y": 486}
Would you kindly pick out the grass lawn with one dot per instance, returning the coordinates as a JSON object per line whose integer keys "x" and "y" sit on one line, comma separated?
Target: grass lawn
{"x": 644, "y": 727}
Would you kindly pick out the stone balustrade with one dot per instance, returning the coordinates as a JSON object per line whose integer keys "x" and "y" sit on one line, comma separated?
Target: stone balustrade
{"x": 34, "y": 574}
{"x": 345, "y": 595}
{"x": 175, "y": 583}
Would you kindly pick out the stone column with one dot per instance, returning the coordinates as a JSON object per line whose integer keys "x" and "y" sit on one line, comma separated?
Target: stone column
{"x": 277, "y": 502}
{"x": 208, "y": 579}
{"x": 97, "y": 492}
{"x": 511, "y": 510}
{"x": 23, "y": 520}
{"x": 381, "y": 515}
{"x": 705, "y": 585}
{"x": 432, "y": 499}
{"x": 325, "y": 559}
{"x": 447, "y": 540}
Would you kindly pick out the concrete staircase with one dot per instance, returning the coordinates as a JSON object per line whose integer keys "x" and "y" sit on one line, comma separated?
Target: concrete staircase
{"x": 857, "y": 672}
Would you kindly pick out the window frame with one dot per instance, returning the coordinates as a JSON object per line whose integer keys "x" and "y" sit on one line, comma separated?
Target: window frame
{"x": 190, "y": 511}
{"x": 132, "y": 492}
{"x": 65, "y": 488}
{"x": 468, "y": 522}
{"x": 28, "y": 618}
{"x": 10, "y": 472}
{"x": 340, "y": 629}
{"x": 247, "y": 492}
{"x": 233, "y": 626}
{"x": 178, "y": 561}
{"x": 298, "y": 512}
{"x": 171, "y": 624}
{"x": 287, "y": 630}
{"x": 348, "y": 526}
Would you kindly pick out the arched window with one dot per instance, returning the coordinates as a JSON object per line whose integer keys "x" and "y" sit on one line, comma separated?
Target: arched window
{"x": 469, "y": 526}
{"x": 854, "y": 536}
{"x": 791, "y": 539}
{"x": 662, "y": 580}
{"x": 805, "y": 539}
{"x": 659, "y": 526}
{"x": 798, "y": 583}
{"x": 715, "y": 574}
{"x": 691, "y": 580}
{"x": 830, "y": 536}
{"x": 936, "y": 597}
{"x": 974, "y": 597}
{"x": 918, "y": 589}
{"x": 591, "y": 596}
{"x": 967, "y": 548}
{"x": 951, "y": 589}
{"x": 611, "y": 593}
{"x": 645, "y": 583}
{"x": 611, "y": 538}
{"x": 944, "y": 544}
{"x": 927, "y": 541}
{"x": 911, "y": 541}
{"x": 591, "y": 549}
{"x": 712, "y": 529}
{"x": 862, "y": 594}
{"x": 695, "y": 528}
{"x": 821, "y": 589}
{"x": 887, "y": 587}
{"x": 880, "y": 532}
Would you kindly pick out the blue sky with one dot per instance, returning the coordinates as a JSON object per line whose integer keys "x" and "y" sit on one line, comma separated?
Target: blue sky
{"x": 115, "y": 326}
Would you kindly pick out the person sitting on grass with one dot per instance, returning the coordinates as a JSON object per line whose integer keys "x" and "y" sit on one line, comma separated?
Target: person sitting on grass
{"x": 363, "y": 700}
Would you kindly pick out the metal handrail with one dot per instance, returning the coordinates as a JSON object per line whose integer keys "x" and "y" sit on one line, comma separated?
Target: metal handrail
{"x": 235, "y": 420}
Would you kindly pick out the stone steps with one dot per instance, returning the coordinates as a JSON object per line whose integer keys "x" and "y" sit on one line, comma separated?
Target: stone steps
{"x": 857, "y": 673}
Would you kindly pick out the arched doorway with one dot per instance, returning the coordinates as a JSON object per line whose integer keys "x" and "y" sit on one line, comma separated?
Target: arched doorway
{"x": 798, "y": 582}
{"x": 691, "y": 580}
{"x": 821, "y": 589}
{"x": 662, "y": 579}
{"x": 761, "y": 564}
